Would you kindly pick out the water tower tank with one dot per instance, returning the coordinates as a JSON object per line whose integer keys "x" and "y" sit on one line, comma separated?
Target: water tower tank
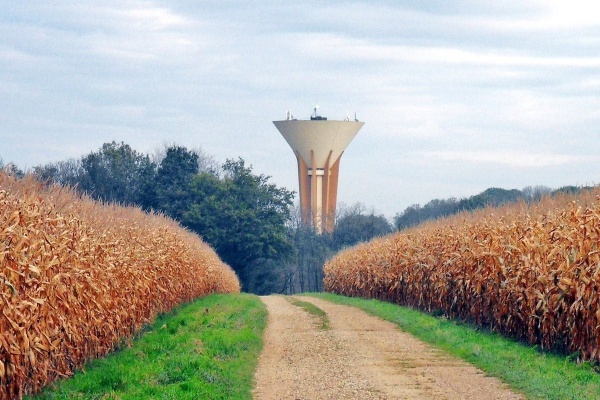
{"x": 318, "y": 144}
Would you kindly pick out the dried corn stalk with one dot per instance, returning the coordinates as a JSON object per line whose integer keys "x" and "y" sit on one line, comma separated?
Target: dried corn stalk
{"x": 76, "y": 277}
{"x": 528, "y": 271}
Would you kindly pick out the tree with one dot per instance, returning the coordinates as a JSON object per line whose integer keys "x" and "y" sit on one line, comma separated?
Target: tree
{"x": 206, "y": 162}
{"x": 265, "y": 276}
{"x": 312, "y": 251}
{"x": 354, "y": 226}
{"x": 66, "y": 173}
{"x": 437, "y": 208}
{"x": 491, "y": 197}
{"x": 170, "y": 192}
{"x": 242, "y": 216}
{"x": 535, "y": 193}
{"x": 11, "y": 169}
{"x": 116, "y": 173}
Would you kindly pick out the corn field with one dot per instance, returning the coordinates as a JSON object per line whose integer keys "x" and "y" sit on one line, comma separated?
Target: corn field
{"x": 531, "y": 272}
{"x": 77, "y": 278}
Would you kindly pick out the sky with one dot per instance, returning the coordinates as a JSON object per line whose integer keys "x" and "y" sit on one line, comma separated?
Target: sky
{"x": 456, "y": 96}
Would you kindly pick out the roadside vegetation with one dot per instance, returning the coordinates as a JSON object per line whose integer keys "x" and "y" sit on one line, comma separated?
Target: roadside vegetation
{"x": 312, "y": 310}
{"x": 526, "y": 369}
{"x": 207, "y": 349}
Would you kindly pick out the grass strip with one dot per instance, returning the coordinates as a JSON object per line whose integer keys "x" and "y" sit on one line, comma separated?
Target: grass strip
{"x": 526, "y": 369}
{"x": 207, "y": 349}
{"x": 313, "y": 310}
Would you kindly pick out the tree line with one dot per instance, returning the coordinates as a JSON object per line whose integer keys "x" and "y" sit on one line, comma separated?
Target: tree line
{"x": 495, "y": 197}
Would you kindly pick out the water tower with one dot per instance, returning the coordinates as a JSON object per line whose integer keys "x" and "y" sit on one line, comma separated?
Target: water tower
{"x": 318, "y": 145}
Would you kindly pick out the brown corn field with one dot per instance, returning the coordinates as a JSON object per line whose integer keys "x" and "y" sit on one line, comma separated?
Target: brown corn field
{"x": 531, "y": 272}
{"x": 78, "y": 277}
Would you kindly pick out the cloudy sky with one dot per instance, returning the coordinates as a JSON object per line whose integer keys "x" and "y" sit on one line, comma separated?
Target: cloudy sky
{"x": 457, "y": 96}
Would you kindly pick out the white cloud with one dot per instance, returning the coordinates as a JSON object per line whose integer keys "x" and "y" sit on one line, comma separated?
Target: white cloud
{"x": 132, "y": 31}
{"x": 517, "y": 158}
{"x": 152, "y": 18}
{"x": 327, "y": 45}
{"x": 573, "y": 13}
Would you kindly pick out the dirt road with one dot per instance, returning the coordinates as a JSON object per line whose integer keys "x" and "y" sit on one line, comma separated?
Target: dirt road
{"x": 359, "y": 357}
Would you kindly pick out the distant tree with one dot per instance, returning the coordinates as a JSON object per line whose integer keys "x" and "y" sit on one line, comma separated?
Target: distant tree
{"x": 569, "y": 190}
{"x": 439, "y": 208}
{"x": 206, "y": 162}
{"x": 354, "y": 226}
{"x": 115, "y": 173}
{"x": 305, "y": 272}
{"x": 12, "y": 170}
{"x": 294, "y": 220}
{"x": 436, "y": 208}
{"x": 65, "y": 173}
{"x": 409, "y": 217}
{"x": 343, "y": 210}
{"x": 491, "y": 197}
{"x": 265, "y": 276}
{"x": 535, "y": 193}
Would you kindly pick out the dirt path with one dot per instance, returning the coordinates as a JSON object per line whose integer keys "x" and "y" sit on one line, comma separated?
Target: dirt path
{"x": 360, "y": 357}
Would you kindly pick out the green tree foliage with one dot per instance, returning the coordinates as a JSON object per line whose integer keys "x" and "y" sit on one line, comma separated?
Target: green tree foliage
{"x": 495, "y": 197}
{"x": 358, "y": 227}
{"x": 491, "y": 197}
{"x": 243, "y": 217}
{"x": 439, "y": 208}
{"x": 116, "y": 173}
{"x": 170, "y": 191}
{"x": 265, "y": 276}
{"x": 67, "y": 172}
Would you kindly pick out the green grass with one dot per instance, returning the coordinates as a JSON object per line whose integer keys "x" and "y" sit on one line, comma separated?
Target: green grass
{"x": 313, "y": 310}
{"x": 536, "y": 374}
{"x": 207, "y": 349}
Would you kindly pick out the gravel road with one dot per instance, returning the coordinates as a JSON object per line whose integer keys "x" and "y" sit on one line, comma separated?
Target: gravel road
{"x": 360, "y": 357}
